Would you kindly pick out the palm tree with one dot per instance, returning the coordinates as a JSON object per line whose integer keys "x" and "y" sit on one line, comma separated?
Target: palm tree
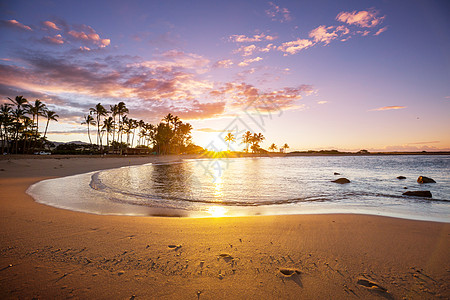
{"x": 285, "y": 147}
{"x": 229, "y": 138}
{"x": 108, "y": 126}
{"x": 5, "y": 121}
{"x": 114, "y": 110}
{"x": 246, "y": 139}
{"x": 99, "y": 111}
{"x": 121, "y": 110}
{"x": 255, "y": 140}
{"x": 36, "y": 110}
{"x": 50, "y": 115}
{"x": 19, "y": 101}
{"x": 273, "y": 147}
{"x": 89, "y": 120}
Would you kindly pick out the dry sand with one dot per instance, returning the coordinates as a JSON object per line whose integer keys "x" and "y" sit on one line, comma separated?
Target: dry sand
{"x": 50, "y": 253}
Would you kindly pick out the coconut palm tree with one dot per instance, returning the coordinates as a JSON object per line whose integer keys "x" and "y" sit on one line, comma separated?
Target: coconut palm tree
{"x": 5, "y": 122}
{"x": 229, "y": 138}
{"x": 108, "y": 126}
{"x": 50, "y": 115}
{"x": 255, "y": 140}
{"x": 285, "y": 147}
{"x": 37, "y": 109}
{"x": 99, "y": 111}
{"x": 19, "y": 101}
{"x": 121, "y": 110}
{"x": 246, "y": 139}
{"x": 273, "y": 147}
{"x": 114, "y": 110}
{"x": 89, "y": 120}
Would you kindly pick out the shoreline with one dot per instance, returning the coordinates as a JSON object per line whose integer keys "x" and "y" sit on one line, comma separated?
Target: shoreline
{"x": 56, "y": 253}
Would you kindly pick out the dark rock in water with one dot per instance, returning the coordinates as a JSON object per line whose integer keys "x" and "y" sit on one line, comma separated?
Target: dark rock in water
{"x": 336, "y": 173}
{"x": 423, "y": 179}
{"x": 426, "y": 194}
{"x": 341, "y": 181}
{"x": 401, "y": 177}
{"x": 405, "y": 187}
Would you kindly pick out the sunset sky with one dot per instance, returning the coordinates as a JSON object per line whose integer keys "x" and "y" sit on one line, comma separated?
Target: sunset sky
{"x": 345, "y": 75}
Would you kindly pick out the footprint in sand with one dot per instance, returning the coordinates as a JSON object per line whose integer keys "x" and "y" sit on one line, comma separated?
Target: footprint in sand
{"x": 288, "y": 272}
{"x": 174, "y": 247}
{"x": 226, "y": 257}
{"x": 371, "y": 285}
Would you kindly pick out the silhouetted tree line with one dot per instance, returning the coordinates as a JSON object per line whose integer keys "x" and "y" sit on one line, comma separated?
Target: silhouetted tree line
{"x": 19, "y": 125}
{"x": 170, "y": 136}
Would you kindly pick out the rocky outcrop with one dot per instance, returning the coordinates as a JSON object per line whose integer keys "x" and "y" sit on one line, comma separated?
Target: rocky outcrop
{"x": 341, "y": 181}
{"x": 423, "y": 179}
{"x": 426, "y": 194}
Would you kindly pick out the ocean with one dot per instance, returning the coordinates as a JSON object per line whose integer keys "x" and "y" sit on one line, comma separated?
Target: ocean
{"x": 259, "y": 186}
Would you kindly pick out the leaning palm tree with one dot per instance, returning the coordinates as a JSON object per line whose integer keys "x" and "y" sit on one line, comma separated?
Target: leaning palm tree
{"x": 50, "y": 115}
{"x": 19, "y": 101}
{"x": 285, "y": 147}
{"x": 99, "y": 111}
{"x": 229, "y": 138}
{"x": 89, "y": 120}
{"x": 273, "y": 147}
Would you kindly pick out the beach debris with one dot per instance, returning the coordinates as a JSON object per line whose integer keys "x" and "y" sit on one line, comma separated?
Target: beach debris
{"x": 426, "y": 194}
{"x": 336, "y": 173}
{"x": 120, "y": 273}
{"x": 371, "y": 285}
{"x": 173, "y": 246}
{"x": 289, "y": 272}
{"x": 423, "y": 179}
{"x": 341, "y": 180}
{"x": 401, "y": 177}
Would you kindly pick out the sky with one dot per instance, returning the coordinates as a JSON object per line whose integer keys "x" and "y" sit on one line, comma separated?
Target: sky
{"x": 344, "y": 75}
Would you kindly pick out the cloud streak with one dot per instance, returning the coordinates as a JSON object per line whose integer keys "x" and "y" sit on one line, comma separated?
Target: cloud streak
{"x": 388, "y": 108}
{"x": 16, "y": 24}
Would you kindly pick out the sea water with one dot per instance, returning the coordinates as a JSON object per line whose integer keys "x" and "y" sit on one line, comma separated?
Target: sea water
{"x": 259, "y": 186}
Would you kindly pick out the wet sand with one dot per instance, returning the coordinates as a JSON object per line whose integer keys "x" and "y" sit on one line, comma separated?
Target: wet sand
{"x": 50, "y": 253}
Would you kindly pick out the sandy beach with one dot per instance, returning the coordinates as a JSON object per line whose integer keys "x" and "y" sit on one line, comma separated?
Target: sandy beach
{"x": 50, "y": 253}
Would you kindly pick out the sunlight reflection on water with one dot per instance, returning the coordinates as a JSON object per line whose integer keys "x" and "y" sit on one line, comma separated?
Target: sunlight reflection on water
{"x": 248, "y": 186}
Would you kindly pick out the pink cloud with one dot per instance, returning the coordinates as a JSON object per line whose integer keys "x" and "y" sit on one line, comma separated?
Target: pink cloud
{"x": 246, "y": 62}
{"x": 256, "y": 38}
{"x": 91, "y": 37}
{"x": 277, "y": 13}
{"x": 51, "y": 25}
{"x": 246, "y": 50}
{"x": 364, "y": 18}
{"x": 381, "y": 30}
{"x": 226, "y": 63}
{"x": 295, "y": 46}
{"x": 321, "y": 34}
{"x": 388, "y": 108}
{"x": 57, "y": 39}
{"x": 16, "y": 24}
